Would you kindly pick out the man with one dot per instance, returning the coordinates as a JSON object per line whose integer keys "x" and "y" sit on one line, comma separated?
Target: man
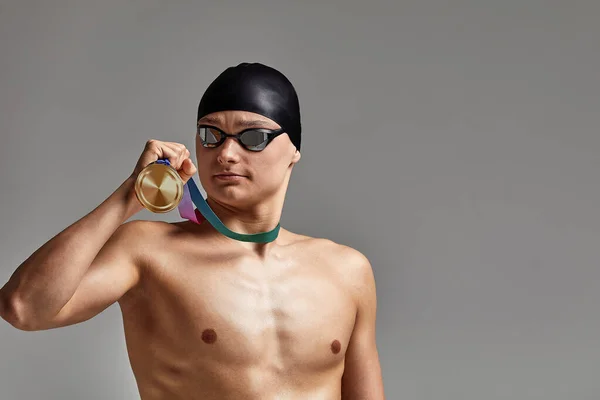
{"x": 206, "y": 316}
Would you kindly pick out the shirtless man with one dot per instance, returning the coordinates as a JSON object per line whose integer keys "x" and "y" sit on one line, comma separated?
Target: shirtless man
{"x": 206, "y": 316}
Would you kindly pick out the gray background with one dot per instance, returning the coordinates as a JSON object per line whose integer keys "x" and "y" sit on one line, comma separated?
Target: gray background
{"x": 455, "y": 143}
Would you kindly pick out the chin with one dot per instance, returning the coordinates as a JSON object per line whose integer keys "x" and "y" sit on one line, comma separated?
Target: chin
{"x": 229, "y": 194}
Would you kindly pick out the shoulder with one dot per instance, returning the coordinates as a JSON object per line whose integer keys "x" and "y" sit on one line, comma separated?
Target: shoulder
{"x": 138, "y": 235}
{"x": 350, "y": 265}
{"x": 158, "y": 236}
{"x": 353, "y": 263}
{"x": 353, "y": 270}
{"x": 142, "y": 226}
{"x": 140, "y": 229}
{"x": 342, "y": 254}
{"x": 337, "y": 253}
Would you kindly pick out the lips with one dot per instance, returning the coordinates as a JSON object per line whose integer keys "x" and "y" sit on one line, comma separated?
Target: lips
{"x": 229, "y": 177}
{"x": 228, "y": 174}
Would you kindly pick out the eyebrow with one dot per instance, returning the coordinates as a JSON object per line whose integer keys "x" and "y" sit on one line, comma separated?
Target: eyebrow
{"x": 241, "y": 123}
{"x": 256, "y": 122}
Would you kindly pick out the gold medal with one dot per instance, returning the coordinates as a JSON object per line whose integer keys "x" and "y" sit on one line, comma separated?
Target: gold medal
{"x": 159, "y": 188}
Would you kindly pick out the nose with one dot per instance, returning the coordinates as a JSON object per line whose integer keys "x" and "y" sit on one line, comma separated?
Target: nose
{"x": 229, "y": 152}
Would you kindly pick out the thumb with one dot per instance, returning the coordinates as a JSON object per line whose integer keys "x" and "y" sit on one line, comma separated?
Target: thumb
{"x": 187, "y": 170}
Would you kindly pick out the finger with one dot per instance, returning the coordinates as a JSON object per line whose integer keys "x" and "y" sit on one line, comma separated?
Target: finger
{"x": 176, "y": 155}
{"x": 157, "y": 150}
{"x": 188, "y": 169}
{"x": 182, "y": 151}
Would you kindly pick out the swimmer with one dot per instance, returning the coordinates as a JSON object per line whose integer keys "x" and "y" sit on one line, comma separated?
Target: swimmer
{"x": 206, "y": 316}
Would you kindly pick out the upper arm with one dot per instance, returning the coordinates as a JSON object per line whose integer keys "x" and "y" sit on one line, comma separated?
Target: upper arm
{"x": 362, "y": 378}
{"x": 111, "y": 275}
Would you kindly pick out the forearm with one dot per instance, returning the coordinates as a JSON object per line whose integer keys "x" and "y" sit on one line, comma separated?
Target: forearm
{"x": 44, "y": 283}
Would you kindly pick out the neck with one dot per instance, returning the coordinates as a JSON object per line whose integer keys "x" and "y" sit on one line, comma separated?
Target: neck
{"x": 262, "y": 217}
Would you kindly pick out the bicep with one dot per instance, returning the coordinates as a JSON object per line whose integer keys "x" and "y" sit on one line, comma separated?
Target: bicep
{"x": 362, "y": 378}
{"x": 110, "y": 276}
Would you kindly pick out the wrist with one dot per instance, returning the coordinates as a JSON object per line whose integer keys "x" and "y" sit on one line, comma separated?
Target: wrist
{"x": 129, "y": 198}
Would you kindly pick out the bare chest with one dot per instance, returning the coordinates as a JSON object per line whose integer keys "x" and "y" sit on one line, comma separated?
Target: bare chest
{"x": 276, "y": 315}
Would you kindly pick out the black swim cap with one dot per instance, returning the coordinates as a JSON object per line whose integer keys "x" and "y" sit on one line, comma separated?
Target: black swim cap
{"x": 256, "y": 88}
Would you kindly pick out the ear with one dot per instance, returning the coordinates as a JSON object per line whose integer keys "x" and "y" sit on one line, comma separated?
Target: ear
{"x": 296, "y": 157}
